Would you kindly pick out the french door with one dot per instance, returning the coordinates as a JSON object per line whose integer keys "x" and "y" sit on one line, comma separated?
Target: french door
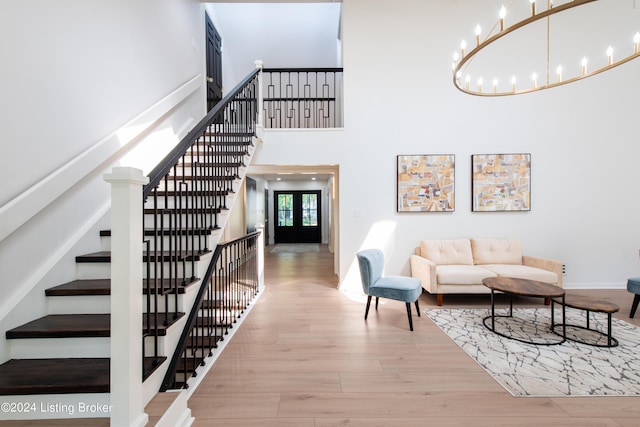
{"x": 298, "y": 217}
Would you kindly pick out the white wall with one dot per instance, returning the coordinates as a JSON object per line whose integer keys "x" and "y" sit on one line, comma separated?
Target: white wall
{"x": 280, "y": 34}
{"x": 399, "y": 99}
{"x": 83, "y": 83}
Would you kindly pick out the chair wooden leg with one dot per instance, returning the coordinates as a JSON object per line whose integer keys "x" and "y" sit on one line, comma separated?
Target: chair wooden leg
{"x": 377, "y": 303}
{"x": 366, "y": 311}
{"x": 409, "y": 315}
{"x": 634, "y": 307}
{"x": 439, "y": 299}
{"x": 417, "y": 308}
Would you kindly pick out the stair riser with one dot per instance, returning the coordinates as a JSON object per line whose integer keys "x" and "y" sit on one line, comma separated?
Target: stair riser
{"x": 232, "y": 168}
{"x": 88, "y": 271}
{"x": 210, "y": 201}
{"x": 98, "y": 304}
{"x": 181, "y": 220}
{"x": 204, "y": 243}
{"x": 168, "y": 342}
{"x": 79, "y": 304}
{"x": 223, "y": 184}
{"x": 33, "y": 348}
{"x": 235, "y": 155}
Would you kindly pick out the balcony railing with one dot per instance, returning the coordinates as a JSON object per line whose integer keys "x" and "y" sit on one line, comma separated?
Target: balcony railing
{"x": 302, "y": 98}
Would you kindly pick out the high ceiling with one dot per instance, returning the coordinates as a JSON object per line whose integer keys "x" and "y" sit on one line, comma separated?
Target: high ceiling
{"x": 269, "y": 1}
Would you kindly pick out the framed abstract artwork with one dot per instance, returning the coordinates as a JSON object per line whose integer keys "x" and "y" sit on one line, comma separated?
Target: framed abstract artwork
{"x": 425, "y": 183}
{"x": 500, "y": 182}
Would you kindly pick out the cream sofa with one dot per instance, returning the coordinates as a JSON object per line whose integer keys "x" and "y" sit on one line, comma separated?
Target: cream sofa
{"x": 458, "y": 266}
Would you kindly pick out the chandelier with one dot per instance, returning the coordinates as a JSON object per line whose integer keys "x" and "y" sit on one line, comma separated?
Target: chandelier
{"x": 463, "y": 58}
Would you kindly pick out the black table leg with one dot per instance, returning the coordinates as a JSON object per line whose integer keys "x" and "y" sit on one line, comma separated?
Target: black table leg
{"x": 493, "y": 311}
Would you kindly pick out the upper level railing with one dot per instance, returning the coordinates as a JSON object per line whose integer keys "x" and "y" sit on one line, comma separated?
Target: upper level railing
{"x": 302, "y": 98}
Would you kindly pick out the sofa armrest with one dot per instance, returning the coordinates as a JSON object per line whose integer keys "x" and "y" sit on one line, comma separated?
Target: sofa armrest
{"x": 425, "y": 270}
{"x": 545, "y": 264}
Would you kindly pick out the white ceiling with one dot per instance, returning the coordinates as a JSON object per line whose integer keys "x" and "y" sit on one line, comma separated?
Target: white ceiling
{"x": 268, "y": 1}
{"x": 292, "y": 173}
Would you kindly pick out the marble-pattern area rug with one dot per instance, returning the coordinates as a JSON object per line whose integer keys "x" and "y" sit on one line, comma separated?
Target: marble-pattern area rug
{"x": 295, "y": 248}
{"x": 567, "y": 369}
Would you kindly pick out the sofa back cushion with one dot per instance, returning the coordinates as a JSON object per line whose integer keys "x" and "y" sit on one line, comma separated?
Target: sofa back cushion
{"x": 496, "y": 251}
{"x": 447, "y": 252}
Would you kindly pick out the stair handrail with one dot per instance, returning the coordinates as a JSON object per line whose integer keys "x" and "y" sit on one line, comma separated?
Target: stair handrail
{"x": 171, "y": 159}
{"x": 193, "y": 314}
{"x": 181, "y": 203}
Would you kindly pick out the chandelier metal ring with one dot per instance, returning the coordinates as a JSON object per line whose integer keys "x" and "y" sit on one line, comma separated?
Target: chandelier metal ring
{"x": 465, "y": 57}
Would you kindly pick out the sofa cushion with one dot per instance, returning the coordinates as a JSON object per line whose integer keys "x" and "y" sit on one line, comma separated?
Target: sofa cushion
{"x": 496, "y": 251}
{"x": 523, "y": 272}
{"x": 462, "y": 274}
{"x": 447, "y": 252}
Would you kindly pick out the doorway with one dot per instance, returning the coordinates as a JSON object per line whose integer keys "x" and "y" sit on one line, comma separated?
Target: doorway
{"x": 214, "y": 64}
{"x": 298, "y": 217}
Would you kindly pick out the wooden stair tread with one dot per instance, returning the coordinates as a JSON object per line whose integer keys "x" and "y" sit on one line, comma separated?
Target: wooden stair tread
{"x": 163, "y": 318}
{"x": 103, "y": 287}
{"x": 53, "y": 376}
{"x": 223, "y": 134}
{"x": 200, "y": 178}
{"x": 214, "y": 164}
{"x": 63, "y": 326}
{"x": 183, "y": 211}
{"x": 166, "y": 232}
{"x": 62, "y": 376}
{"x": 105, "y": 256}
{"x": 80, "y": 325}
{"x": 200, "y": 341}
{"x": 209, "y": 193}
{"x": 81, "y": 287}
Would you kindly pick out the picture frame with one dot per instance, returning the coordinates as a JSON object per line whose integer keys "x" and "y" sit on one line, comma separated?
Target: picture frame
{"x": 425, "y": 183}
{"x": 500, "y": 182}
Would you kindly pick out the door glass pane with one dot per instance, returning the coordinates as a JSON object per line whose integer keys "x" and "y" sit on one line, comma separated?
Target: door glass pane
{"x": 285, "y": 210}
{"x": 309, "y": 210}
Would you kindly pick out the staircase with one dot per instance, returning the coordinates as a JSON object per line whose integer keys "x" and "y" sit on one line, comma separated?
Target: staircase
{"x": 62, "y": 358}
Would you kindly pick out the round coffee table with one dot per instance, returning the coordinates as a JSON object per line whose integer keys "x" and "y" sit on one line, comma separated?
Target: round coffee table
{"x": 523, "y": 287}
{"x": 588, "y": 304}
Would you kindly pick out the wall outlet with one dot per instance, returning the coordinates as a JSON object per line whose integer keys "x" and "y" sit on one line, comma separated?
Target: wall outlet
{"x": 564, "y": 269}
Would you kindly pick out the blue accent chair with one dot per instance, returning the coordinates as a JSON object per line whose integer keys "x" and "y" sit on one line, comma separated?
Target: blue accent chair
{"x": 400, "y": 288}
{"x": 633, "y": 286}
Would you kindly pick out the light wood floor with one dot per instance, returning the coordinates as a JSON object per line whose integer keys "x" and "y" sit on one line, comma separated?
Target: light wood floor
{"x": 306, "y": 357}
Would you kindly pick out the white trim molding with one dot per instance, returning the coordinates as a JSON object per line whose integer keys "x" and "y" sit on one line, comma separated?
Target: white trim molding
{"x": 23, "y": 207}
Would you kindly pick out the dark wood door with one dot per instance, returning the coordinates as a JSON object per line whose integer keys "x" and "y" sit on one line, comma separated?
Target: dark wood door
{"x": 298, "y": 217}
{"x": 214, "y": 64}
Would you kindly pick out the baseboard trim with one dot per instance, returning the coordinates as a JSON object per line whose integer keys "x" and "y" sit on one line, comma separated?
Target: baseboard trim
{"x": 595, "y": 285}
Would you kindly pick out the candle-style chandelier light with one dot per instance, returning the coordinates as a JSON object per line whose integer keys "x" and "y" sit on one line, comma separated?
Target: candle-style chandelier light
{"x": 463, "y": 57}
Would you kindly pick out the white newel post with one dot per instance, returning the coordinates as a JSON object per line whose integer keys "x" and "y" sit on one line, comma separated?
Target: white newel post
{"x": 127, "y": 407}
{"x": 259, "y": 119}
